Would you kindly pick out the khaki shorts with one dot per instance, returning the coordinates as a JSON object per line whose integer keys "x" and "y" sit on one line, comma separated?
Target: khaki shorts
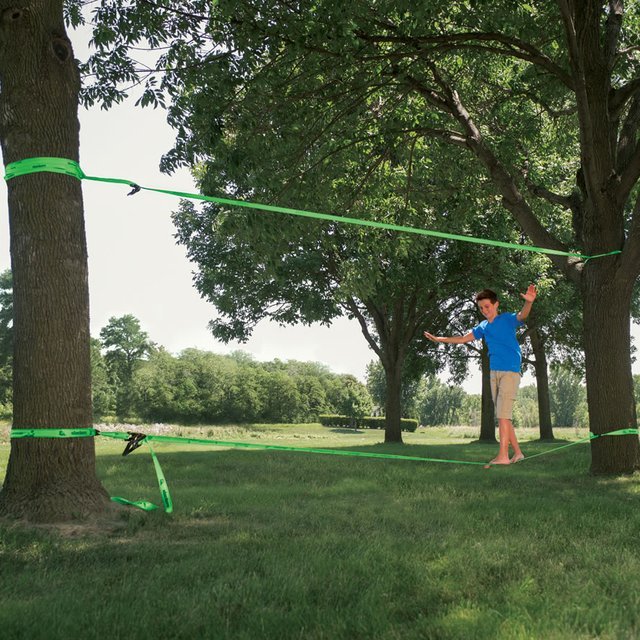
{"x": 504, "y": 388}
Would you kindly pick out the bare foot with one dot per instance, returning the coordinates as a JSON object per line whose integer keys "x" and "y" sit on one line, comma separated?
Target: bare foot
{"x": 517, "y": 458}
{"x": 500, "y": 461}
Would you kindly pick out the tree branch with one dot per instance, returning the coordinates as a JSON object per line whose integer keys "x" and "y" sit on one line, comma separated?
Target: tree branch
{"x": 566, "y": 202}
{"x": 592, "y": 84}
{"x": 627, "y": 140}
{"x": 620, "y": 96}
{"x": 511, "y": 47}
{"x": 612, "y": 32}
{"x": 510, "y": 94}
{"x": 630, "y": 261}
{"x": 452, "y": 137}
{"x": 512, "y": 199}
{"x": 352, "y": 307}
{"x": 410, "y": 324}
{"x": 628, "y": 50}
{"x": 629, "y": 177}
{"x": 176, "y": 11}
{"x": 407, "y": 192}
{"x": 430, "y": 95}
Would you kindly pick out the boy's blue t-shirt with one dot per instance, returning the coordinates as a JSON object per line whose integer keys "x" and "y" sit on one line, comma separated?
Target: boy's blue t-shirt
{"x": 500, "y": 335}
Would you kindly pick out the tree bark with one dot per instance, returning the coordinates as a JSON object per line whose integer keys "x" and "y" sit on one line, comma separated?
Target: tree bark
{"x": 394, "y": 333}
{"x": 542, "y": 384}
{"x": 393, "y": 403}
{"x": 487, "y": 416}
{"x": 46, "y": 479}
{"x": 610, "y": 396}
{"x": 607, "y": 175}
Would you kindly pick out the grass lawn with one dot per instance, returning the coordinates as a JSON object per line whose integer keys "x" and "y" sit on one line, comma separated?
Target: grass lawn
{"x": 278, "y": 545}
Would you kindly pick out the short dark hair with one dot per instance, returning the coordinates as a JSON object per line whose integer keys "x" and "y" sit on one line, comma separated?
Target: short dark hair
{"x": 487, "y": 294}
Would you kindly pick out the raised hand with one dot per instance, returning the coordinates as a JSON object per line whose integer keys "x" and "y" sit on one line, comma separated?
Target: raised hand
{"x": 531, "y": 293}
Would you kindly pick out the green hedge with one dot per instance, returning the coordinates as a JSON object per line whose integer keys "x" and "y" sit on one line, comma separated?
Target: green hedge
{"x": 367, "y": 422}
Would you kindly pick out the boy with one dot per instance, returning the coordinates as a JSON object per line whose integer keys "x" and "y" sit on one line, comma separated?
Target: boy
{"x": 505, "y": 357}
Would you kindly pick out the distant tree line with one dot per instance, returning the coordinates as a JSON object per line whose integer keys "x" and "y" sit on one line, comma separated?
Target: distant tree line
{"x": 135, "y": 378}
{"x": 435, "y": 403}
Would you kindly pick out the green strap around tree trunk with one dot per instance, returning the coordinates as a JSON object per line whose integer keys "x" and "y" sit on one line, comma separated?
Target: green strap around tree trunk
{"x": 162, "y": 483}
{"x": 72, "y": 168}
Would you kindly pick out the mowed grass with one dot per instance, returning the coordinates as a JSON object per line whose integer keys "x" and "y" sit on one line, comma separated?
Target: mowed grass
{"x": 268, "y": 544}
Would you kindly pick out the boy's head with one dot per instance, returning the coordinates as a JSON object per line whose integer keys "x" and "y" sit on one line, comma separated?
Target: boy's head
{"x": 487, "y": 294}
{"x": 488, "y": 303}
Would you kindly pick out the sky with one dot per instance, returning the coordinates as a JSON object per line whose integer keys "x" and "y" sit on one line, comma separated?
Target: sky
{"x": 136, "y": 267}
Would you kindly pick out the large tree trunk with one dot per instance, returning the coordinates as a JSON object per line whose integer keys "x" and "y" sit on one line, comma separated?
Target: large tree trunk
{"x": 607, "y": 350}
{"x": 609, "y": 171}
{"x": 46, "y": 479}
{"x": 542, "y": 385}
{"x": 487, "y": 416}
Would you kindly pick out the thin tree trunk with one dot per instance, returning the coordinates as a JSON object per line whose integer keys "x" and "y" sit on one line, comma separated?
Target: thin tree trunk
{"x": 393, "y": 402}
{"x": 46, "y": 480}
{"x": 608, "y": 371}
{"x": 542, "y": 384}
{"x": 487, "y": 415}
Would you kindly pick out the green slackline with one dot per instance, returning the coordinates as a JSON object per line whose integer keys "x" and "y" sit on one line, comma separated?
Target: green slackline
{"x": 120, "y": 435}
{"x": 72, "y": 168}
{"x": 136, "y": 439}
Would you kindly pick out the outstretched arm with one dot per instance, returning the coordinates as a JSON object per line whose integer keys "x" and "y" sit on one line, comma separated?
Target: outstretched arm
{"x": 450, "y": 339}
{"x": 528, "y": 298}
